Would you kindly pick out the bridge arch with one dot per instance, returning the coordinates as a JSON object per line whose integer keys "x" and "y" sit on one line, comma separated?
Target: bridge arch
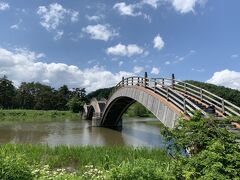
{"x": 123, "y": 98}
{"x": 95, "y": 107}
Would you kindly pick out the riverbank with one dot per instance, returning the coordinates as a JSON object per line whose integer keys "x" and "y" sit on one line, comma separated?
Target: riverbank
{"x": 83, "y": 162}
{"x": 23, "y": 115}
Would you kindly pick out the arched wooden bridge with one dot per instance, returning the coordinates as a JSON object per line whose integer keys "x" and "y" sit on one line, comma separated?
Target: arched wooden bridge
{"x": 166, "y": 98}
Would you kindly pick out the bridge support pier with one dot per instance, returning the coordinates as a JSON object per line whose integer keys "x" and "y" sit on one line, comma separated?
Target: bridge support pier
{"x": 96, "y": 121}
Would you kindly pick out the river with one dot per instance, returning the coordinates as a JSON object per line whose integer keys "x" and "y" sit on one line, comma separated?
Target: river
{"x": 136, "y": 132}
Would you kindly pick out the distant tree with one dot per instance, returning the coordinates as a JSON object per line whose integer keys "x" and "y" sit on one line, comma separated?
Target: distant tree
{"x": 7, "y": 93}
{"x": 36, "y": 96}
{"x": 62, "y": 96}
{"x": 25, "y": 95}
{"x": 75, "y": 105}
{"x": 44, "y": 97}
{"x": 99, "y": 94}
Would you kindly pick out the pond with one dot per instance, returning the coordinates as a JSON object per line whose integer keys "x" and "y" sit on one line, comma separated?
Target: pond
{"x": 136, "y": 132}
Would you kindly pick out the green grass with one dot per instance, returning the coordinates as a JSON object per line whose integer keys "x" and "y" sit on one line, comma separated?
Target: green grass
{"x": 79, "y": 157}
{"x": 20, "y": 115}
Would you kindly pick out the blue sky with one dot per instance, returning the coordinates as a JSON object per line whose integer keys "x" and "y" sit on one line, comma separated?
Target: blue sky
{"x": 92, "y": 44}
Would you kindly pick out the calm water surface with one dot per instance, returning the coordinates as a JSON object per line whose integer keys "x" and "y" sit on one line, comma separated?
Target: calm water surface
{"x": 135, "y": 132}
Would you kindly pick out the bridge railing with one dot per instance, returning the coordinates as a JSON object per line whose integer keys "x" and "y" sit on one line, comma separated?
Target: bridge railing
{"x": 223, "y": 106}
{"x": 177, "y": 92}
{"x": 163, "y": 90}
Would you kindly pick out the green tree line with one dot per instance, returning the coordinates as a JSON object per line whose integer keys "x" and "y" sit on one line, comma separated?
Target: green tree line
{"x": 34, "y": 95}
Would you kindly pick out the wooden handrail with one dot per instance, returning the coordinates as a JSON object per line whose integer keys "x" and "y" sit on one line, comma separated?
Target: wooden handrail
{"x": 176, "y": 91}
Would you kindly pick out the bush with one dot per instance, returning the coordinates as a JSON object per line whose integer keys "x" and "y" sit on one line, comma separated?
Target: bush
{"x": 14, "y": 168}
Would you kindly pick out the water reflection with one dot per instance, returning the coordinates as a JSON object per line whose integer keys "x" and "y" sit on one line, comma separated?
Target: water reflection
{"x": 135, "y": 132}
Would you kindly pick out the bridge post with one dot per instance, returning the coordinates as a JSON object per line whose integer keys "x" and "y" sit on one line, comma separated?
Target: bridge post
{"x": 223, "y": 108}
{"x": 155, "y": 85}
{"x": 201, "y": 94}
{"x": 122, "y": 81}
{"x": 167, "y": 93}
{"x": 145, "y": 79}
{"x": 173, "y": 80}
{"x": 184, "y": 105}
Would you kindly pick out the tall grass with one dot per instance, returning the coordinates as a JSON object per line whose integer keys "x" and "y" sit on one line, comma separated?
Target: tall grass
{"x": 36, "y": 115}
{"x": 78, "y": 157}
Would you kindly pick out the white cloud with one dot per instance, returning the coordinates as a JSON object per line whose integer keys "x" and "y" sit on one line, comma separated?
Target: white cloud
{"x": 4, "y": 6}
{"x": 58, "y": 35}
{"x": 125, "y": 50}
{"x": 226, "y": 78}
{"x": 153, "y": 3}
{"x": 120, "y": 63}
{"x": 54, "y": 15}
{"x": 100, "y": 32}
{"x": 185, "y": 6}
{"x": 198, "y": 70}
{"x": 234, "y": 56}
{"x": 158, "y": 42}
{"x": 137, "y": 69}
{"x": 134, "y": 10}
{"x": 94, "y": 18}
{"x": 155, "y": 70}
{"x": 23, "y": 65}
{"x": 167, "y": 62}
{"x": 74, "y": 15}
{"x": 126, "y": 10}
{"x": 16, "y": 26}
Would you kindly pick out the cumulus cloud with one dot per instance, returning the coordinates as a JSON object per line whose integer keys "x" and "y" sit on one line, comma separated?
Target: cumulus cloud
{"x": 226, "y": 78}
{"x": 126, "y": 10}
{"x": 158, "y": 42}
{"x": 153, "y": 3}
{"x": 4, "y": 6}
{"x": 185, "y": 6}
{"x": 24, "y": 65}
{"x": 100, "y": 32}
{"x": 155, "y": 71}
{"x": 54, "y": 15}
{"x": 137, "y": 69}
{"x": 125, "y": 50}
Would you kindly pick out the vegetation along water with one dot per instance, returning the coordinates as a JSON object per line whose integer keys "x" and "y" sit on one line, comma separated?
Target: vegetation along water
{"x": 212, "y": 151}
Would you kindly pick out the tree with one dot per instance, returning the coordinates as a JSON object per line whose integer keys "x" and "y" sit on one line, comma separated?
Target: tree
{"x": 62, "y": 96}
{"x": 75, "y": 105}
{"x": 7, "y": 93}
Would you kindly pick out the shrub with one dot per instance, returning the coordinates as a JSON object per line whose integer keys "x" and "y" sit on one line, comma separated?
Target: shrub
{"x": 14, "y": 168}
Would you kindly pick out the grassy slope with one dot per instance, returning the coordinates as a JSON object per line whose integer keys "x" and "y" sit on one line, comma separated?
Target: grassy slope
{"x": 36, "y": 115}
